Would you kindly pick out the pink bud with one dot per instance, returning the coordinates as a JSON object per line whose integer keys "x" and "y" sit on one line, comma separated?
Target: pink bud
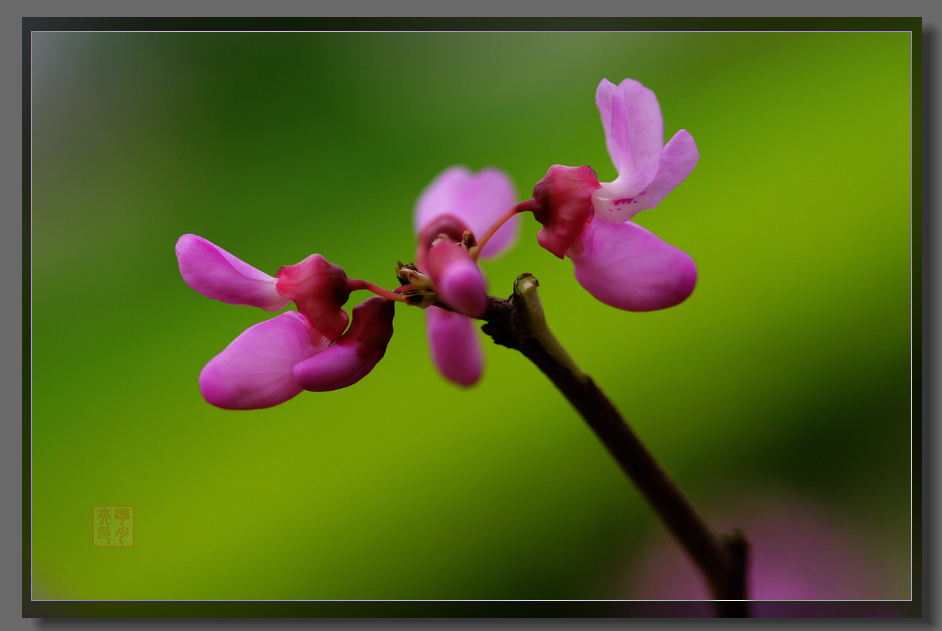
{"x": 564, "y": 206}
{"x": 447, "y": 225}
{"x": 319, "y": 289}
{"x": 357, "y": 352}
{"x": 457, "y": 279}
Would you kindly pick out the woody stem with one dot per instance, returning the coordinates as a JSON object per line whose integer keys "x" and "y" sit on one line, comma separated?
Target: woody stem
{"x": 519, "y": 323}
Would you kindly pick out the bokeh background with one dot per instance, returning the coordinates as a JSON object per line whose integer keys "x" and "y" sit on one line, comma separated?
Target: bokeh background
{"x": 777, "y": 396}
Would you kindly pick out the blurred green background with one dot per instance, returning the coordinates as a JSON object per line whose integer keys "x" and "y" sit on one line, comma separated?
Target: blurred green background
{"x": 787, "y": 373}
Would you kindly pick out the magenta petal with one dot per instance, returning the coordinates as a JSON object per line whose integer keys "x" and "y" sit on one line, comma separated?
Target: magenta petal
{"x": 455, "y": 347}
{"x": 255, "y": 370}
{"x": 630, "y": 268}
{"x": 477, "y": 199}
{"x": 461, "y": 285}
{"x": 337, "y": 367}
{"x": 457, "y": 279}
{"x": 215, "y": 273}
{"x": 357, "y": 352}
{"x": 634, "y": 131}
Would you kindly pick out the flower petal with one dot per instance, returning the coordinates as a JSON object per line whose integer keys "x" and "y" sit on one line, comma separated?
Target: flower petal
{"x": 678, "y": 159}
{"x": 357, "y": 352}
{"x": 215, "y": 273}
{"x": 628, "y": 267}
{"x": 457, "y": 278}
{"x": 255, "y": 370}
{"x": 616, "y": 203}
{"x": 634, "y": 131}
{"x": 478, "y": 200}
{"x": 454, "y": 344}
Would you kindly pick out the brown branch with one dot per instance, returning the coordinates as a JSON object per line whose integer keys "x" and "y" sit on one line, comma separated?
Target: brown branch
{"x": 518, "y": 323}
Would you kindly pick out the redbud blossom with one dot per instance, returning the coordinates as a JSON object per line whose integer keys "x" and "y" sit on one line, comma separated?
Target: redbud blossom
{"x": 455, "y": 202}
{"x": 617, "y": 261}
{"x": 271, "y": 362}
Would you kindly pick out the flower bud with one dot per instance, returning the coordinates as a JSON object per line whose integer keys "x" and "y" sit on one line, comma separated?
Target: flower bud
{"x": 457, "y": 279}
{"x": 444, "y": 225}
{"x": 563, "y": 201}
{"x": 319, "y": 289}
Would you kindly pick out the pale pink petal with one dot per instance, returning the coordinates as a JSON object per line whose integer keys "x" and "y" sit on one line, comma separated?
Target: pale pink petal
{"x": 604, "y": 98}
{"x": 215, "y": 273}
{"x": 615, "y": 203}
{"x": 678, "y": 159}
{"x": 628, "y": 267}
{"x": 357, "y": 352}
{"x": 455, "y": 347}
{"x": 477, "y": 200}
{"x": 255, "y": 370}
{"x": 634, "y": 132}
{"x": 440, "y": 197}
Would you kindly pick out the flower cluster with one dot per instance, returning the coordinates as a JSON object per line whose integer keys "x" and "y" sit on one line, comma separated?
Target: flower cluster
{"x": 459, "y": 218}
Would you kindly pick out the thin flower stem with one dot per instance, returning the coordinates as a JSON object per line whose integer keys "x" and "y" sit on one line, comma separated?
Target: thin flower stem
{"x": 522, "y": 206}
{"x": 353, "y": 284}
{"x": 518, "y": 324}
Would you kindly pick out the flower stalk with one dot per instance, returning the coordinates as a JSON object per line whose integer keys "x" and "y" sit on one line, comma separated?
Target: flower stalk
{"x": 519, "y": 323}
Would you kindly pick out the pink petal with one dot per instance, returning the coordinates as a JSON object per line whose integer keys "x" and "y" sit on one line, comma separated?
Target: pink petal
{"x": 215, "y": 273}
{"x": 477, "y": 200}
{"x": 678, "y": 159}
{"x": 444, "y": 225}
{"x": 357, "y": 352}
{"x": 457, "y": 278}
{"x": 628, "y": 267}
{"x": 614, "y": 203}
{"x": 455, "y": 347}
{"x": 255, "y": 370}
{"x": 634, "y": 131}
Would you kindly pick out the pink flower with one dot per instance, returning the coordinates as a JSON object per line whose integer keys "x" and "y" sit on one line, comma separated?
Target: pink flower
{"x": 275, "y": 360}
{"x": 798, "y": 552}
{"x": 616, "y": 260}
{"x": 456, "y": 202}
